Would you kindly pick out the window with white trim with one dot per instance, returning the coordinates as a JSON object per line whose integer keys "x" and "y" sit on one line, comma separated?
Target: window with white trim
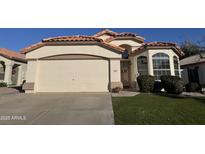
{"x": 161, "y": 65}
{"x": 176, "y": 66}
{"x": 142, "y": 65}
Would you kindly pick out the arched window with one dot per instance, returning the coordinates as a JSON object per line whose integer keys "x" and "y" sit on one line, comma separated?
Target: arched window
{"x": 161, "y": 65}
{"x": 176, "y": 66}
{"x": 128, "y": 49}
{"x": 125, "y": 55}
{"x": 142, "y": 65}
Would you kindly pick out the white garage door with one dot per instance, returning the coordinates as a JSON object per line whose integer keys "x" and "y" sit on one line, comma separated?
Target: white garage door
{"x": 73, "y": 76}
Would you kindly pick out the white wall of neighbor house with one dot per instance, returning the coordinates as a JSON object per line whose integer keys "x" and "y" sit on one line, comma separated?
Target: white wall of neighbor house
{"x": 202, "y": 74}
{"x": 8, "y": 70}
{"x": 34, "y": 67}
{"x": 132, "y": 43}
{"x": 201, "y": 71}
{"x": 184, "y": 75}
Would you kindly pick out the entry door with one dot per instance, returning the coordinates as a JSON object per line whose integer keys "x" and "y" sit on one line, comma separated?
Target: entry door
{"x": 125, "y": 73}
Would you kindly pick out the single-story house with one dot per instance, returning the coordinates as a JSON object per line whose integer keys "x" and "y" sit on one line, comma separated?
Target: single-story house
{"x": 194, "y": 69}
{"x": 12, "y": 67}
{"x": 96, "y": 63}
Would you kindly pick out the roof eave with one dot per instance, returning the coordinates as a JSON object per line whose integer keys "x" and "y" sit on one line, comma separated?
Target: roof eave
{"x": 137, "y": 39}
{"x": 118, "y": 49}
{"x": 13, "y": 58}
{"x": 177, "y": 51}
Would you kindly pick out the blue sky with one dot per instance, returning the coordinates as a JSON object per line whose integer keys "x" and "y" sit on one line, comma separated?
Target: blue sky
{"x": 16, "y": 39}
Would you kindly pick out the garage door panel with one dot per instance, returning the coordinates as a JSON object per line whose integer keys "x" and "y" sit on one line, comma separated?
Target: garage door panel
{"x": 73, "y": 76}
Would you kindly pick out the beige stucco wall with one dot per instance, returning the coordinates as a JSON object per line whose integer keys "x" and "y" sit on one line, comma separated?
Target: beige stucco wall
{"x": 149, "y": 53}
{"x": 31, "y": 71}
{"x": 104, "y": 36}
{"x": 72, "y": 49}
{"x": 115, "y": 70}
{"x": 36, "y": 67}
{"x": 132, "y": 43}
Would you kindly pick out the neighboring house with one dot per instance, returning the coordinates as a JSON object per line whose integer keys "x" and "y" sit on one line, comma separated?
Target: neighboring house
{"x": 12, "y": 67}
{"x": 194, "y": 69}
{"x": 97, "y": 63}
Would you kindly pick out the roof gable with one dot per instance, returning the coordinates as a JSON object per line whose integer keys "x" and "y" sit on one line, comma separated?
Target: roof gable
{"x": 69, "y": 40}
{"x": 159, "y": 45}
{"x": 119, "y": 36}
{"x": 105, "y": 32}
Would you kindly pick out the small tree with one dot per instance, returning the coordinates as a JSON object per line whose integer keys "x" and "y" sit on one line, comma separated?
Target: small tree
{"x": 189, "y": 48}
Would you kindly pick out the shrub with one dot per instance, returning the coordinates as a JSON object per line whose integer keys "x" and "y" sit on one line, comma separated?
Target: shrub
{"x": 116, "y": 89}
{"x": 146, "y": 83}
{"x": 157, "y": 86}
{"x": 193, "y": 87}
{"x": 3, "y": 84}
{"x": 172, "y": 84}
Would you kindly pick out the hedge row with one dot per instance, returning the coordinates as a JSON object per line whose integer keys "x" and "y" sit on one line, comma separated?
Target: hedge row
{"x": 146, "y": 83}
{"x": 3, "y": 84}
{"x": 171, "y": 84}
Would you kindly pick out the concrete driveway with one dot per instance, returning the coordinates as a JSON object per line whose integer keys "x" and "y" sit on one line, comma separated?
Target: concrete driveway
{"x": 56, "y": 108}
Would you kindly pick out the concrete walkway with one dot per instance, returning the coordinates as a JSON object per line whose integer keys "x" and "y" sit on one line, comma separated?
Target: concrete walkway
{"x": 125, "y": 94}
{"x": 193, "y": 94}
{"x": 56, "y": 108}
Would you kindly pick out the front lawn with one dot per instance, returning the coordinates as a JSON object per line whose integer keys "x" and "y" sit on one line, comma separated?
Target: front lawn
{"x": 153, "y": 109}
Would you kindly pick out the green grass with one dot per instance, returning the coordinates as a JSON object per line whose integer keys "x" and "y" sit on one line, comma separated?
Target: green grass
{"x": 153, "y": 109}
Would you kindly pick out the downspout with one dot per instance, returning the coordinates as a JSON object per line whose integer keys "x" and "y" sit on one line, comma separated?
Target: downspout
{"x": 109, "y": 76}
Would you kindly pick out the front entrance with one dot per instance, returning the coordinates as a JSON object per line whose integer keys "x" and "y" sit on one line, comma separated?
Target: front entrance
{"x": 125, "y": 73}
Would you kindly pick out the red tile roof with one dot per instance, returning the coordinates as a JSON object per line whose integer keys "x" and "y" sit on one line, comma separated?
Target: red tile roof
{"x": 159, "y": 45}
{"x": 12, "y": 55}
{"x": 115, "y": 35}
{"x": 70, "y": 39}
{"x": 105, "y": 31}
{"x": 125, "y": 36}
